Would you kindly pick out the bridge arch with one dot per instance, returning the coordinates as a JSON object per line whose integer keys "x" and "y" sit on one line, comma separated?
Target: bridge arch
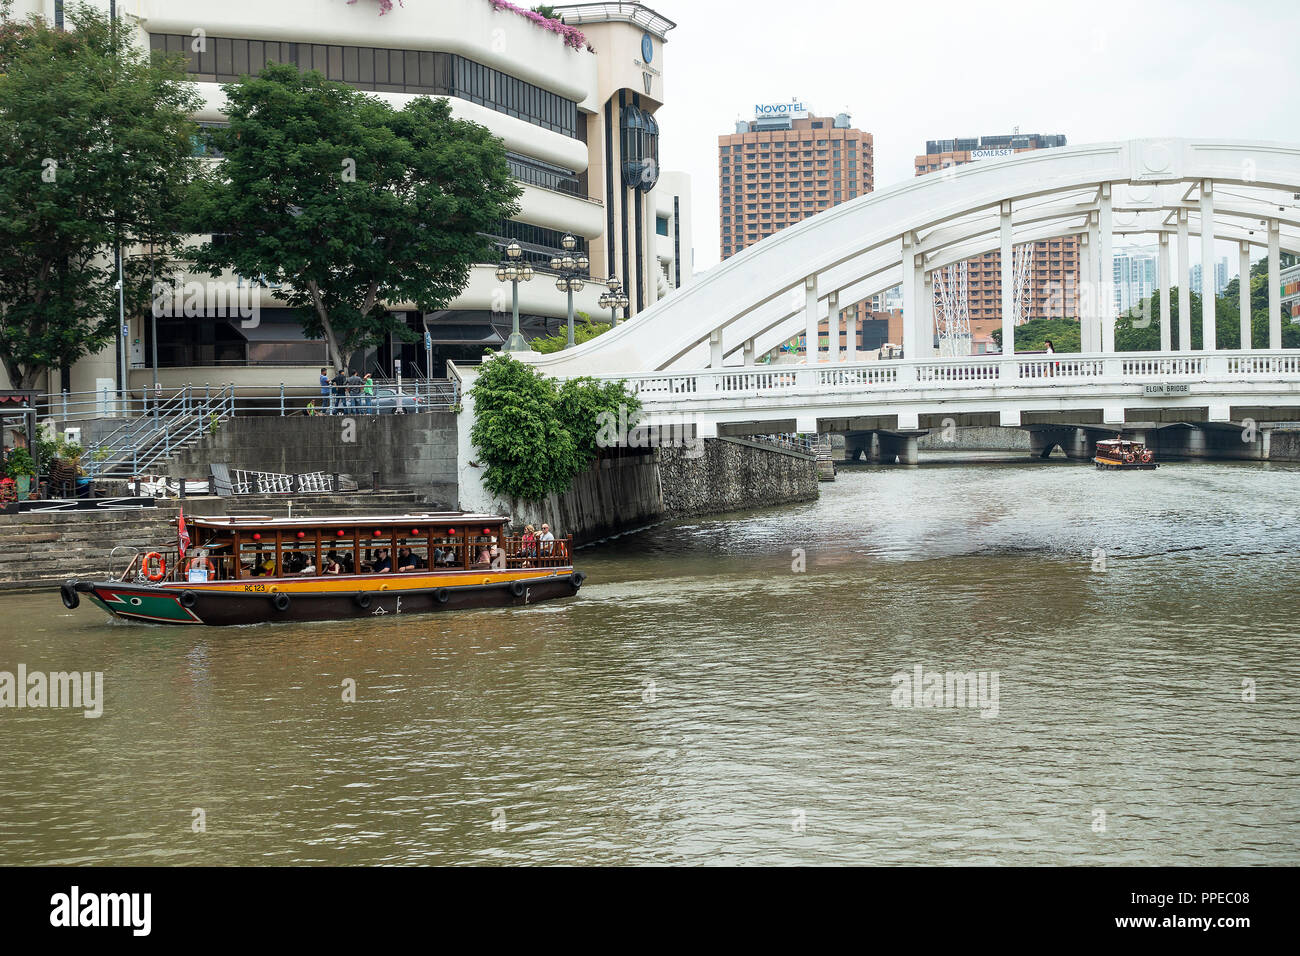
{"x": 1176, "y": 189}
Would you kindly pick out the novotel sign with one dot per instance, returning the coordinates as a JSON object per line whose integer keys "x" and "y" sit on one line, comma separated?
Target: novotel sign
{"x": 795, "y": 110}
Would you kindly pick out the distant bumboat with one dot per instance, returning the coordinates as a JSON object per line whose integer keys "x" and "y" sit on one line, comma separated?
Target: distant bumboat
{"x": 251, "y": 570}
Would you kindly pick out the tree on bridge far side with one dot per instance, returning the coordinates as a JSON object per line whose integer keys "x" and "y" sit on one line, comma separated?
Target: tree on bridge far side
{"x": 1138, "y": 330}
{"x": 1032, "y": 336}
{"x": 96, "y": 145}
{"x": 349, "y": 204}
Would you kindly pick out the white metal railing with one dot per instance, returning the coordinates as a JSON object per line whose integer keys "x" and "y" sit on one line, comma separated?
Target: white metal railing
{"x": 129, "y": 434}
{"x": 1037, "y": 372}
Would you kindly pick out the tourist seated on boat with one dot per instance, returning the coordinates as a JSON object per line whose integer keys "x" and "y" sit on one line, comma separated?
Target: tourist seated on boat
{"x": 406, "y": 561}
{"x": 528, "y": 543}
{"x": 445, "y": 557}
{"x": 332, "y": 567}
{"x": 383, "y": 563}
{"x": 293, "y": 562}
{"x": 496, "y": 557}
{"x": 484, "y": 559}
{"x": 546, "y": 543}
{"x": 346, "y": 562}
{"x": 308, "y": 567}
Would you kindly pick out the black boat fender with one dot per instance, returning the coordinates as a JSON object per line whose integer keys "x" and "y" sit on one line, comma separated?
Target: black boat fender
{"x": 577, "y": 578}
{"x": 362, "y": 599}
{"x": 68, "y": 592}
{"x": 517, "y": 588}
{"x": 281, "y": 601}
{"x": 188, "y": 599}
{"x": 440, "y": 595}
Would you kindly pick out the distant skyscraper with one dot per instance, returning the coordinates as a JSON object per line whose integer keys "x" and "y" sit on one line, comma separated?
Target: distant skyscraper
{"x": 1054, "y": 269}
{"x": 783, "y": 166}
{"x": 1220, "y": 276}
{"x": 1135, "y": 275}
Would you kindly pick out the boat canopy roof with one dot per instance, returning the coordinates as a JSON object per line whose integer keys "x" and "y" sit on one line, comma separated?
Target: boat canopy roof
{"x": 240, "y": 522}
{"x": 1118, "y": 441}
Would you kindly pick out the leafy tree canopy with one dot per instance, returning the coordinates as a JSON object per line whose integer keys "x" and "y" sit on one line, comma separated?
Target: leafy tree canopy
{"x": 95, "y": 145}
{"x": 349, "y": 203}
{"x": 583, "y": 330}
{"x": 536, "y": 435}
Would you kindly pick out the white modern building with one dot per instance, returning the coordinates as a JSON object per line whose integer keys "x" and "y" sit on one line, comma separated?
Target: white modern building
{"x": 1220, "y": 277}
{"x": 1135, "y": 275}
{"x": 577, "y": 119}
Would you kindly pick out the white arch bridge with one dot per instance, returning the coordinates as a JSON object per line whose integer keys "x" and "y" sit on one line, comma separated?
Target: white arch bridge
{"x": 691, "y": 356}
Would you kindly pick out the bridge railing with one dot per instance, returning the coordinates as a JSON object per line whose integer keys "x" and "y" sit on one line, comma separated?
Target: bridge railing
{"x": 1039, "y": 371}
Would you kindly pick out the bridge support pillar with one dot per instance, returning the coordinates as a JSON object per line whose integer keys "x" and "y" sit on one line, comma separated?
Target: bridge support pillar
{"x": 1008, "y": 282}
{"x": 1274, "y": 286}
{"x": 1184, "y": 286}
{"x": 1081, "y": 446}
{"x": 833, "y": 327}
{"x": 715, "y": 349}
{"x": 1085, "y": 297}
{"x": 900, "y": 448}
{"x": 1166, "y": 334}
{"x": 1105, "y": 328}
{"x": 810, "y": 320}
{"x": 1243, "y": 295}
{"x": 1208, "y": 342}
{"x": 1042, "y": 441}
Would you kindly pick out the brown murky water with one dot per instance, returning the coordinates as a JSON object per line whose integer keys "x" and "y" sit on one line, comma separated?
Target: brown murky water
{"x": 701, "y": 701}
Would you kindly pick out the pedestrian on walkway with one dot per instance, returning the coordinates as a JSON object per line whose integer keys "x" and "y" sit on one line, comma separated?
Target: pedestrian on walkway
{"x": 354, "y": 392}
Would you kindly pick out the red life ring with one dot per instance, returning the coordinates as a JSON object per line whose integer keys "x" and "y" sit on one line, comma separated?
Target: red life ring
{"x": 162, "y": 566}
{"x": 1128, "y": 457}
{"x": 1146, "y": 456}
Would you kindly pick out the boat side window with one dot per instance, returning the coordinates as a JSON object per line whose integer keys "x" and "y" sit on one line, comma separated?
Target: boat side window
{"x": 447, "y": 550}
{"x": 412, "y": 555}
{"x": 256, "y": 558}
{"x": 338, "y": 550}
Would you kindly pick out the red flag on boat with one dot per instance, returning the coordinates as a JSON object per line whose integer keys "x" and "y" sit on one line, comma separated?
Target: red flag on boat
{"x": 182, "y": 536}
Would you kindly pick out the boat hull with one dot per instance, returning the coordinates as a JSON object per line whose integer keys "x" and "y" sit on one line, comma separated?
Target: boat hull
{"x": 1106, "y": 464}
{"x": 178, "y": 604}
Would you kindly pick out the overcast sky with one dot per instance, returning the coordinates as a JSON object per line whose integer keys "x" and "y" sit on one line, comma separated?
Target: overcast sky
{"x": 909, "y": 71}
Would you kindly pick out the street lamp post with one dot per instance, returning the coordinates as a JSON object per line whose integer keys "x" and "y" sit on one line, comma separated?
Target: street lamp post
{"x": 514, "y": 271}
{"x": 614, "y": 299}
{"x": 573, "y": 271}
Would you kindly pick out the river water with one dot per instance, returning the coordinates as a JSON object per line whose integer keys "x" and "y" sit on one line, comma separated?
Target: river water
{"x": 727, "y": 690}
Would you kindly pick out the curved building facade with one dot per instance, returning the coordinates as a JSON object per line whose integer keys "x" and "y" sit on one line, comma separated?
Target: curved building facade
{"x": 578, "y": 124}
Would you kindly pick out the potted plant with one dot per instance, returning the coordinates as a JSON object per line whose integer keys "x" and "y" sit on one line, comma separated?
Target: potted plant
{"x": 22, "y": 469}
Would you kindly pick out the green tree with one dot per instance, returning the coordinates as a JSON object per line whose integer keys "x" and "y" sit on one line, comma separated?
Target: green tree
{"x": 583, "y": 330}
{"x": 95, "y": 144}
{"x": 534, "y": 435}
{"x": 349, "y": 203}
{"x": 1032, "y": 336}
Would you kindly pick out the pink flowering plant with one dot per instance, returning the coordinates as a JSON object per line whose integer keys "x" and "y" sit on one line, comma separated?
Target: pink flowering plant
{"x": 384, "y": 5}
{"x": 572, "y": 36}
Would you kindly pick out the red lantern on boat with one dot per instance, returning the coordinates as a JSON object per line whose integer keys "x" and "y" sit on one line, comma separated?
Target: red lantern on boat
{"x": 256, "y": 536}
{"x": 415, "y": 532}
{"x": 302, "y": 534}
{"x": 377, "y": 533}
{"x": 451, "y": 530}
{"x": 340, "y": 532}
{"x": 487, "y": 530}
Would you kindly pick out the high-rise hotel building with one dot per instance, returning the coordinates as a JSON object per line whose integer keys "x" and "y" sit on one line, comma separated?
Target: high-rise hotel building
{"x": 1054, "y": 267}
{"x": 783, "y": 166}
{"x": 579, "y": 125}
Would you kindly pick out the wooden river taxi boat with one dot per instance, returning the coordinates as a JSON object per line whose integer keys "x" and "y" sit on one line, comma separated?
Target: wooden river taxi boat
{"x": 249, "y": 570}
{"x": 1124, "y": 455}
